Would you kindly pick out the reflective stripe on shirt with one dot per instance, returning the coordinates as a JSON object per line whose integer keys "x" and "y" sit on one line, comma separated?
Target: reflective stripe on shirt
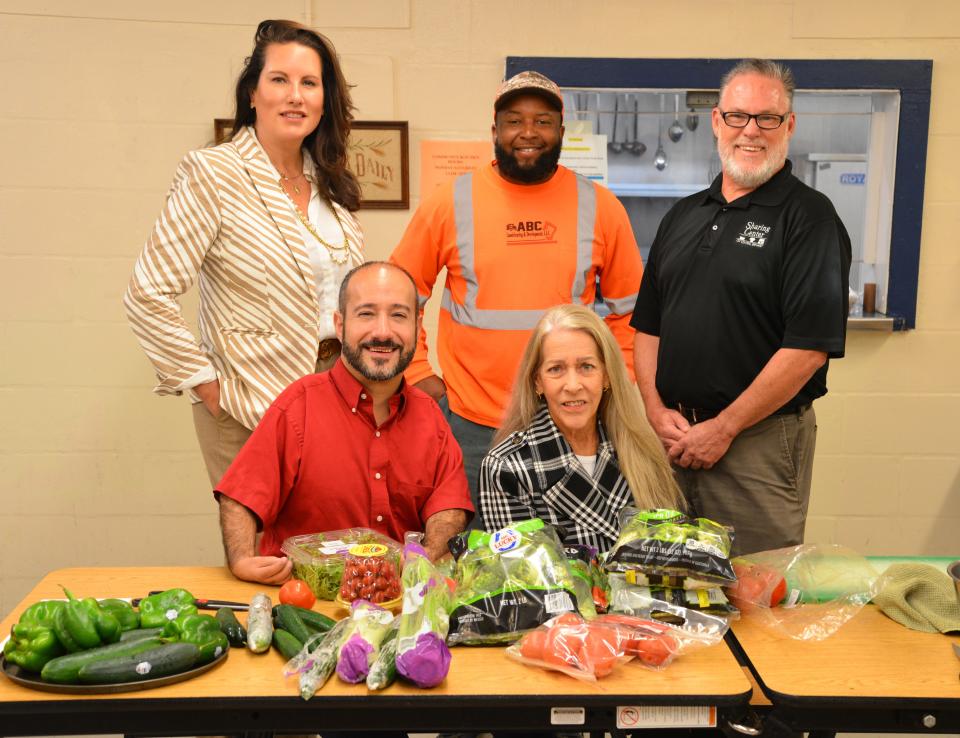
{"x": 468, "y": 313}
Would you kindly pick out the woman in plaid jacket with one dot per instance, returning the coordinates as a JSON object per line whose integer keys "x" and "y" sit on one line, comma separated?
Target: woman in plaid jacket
{"x": 575, "y": 447}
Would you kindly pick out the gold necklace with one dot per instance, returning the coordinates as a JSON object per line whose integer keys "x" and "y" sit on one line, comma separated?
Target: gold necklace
{"x": 285, "y": 178}
{"x": 338, "y": 254}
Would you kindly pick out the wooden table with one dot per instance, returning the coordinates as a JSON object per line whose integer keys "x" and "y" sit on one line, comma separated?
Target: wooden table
{"x": 871, "y": 675}
{"x": 248, "y": 693}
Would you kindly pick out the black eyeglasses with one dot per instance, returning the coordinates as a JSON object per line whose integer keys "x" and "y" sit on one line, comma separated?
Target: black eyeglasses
{"x": 766, "y": 121}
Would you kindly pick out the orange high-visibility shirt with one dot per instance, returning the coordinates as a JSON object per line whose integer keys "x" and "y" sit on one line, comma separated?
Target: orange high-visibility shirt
{"x": 511, "y": 252}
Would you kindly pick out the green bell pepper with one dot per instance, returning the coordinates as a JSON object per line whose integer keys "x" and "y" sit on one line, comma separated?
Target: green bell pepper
{"x": 82, "y": 624}
{"x": 201, "y": 630}
{"x": 32, "y": 642}
{"x": 159, "y": 609}
{"x": 40, "y": 613}
{"x": 124, "y": 613}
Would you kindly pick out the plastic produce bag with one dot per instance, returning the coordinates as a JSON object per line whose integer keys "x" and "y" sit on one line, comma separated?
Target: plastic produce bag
{"x": 360, "y": 642}
{"x": 668, "y": 543}
{"x": 592, "y": 649}
{"x": 648, "y": 602}
{"x": 422, "y": 653}
{"x": 509, "y": 582}
{"x": 589, "y": 579}
{"x": 806, "y": 592}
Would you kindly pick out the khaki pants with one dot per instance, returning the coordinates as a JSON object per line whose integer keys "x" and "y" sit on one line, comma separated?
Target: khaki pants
{"x": 761, "y": 486}
{"x": 222, "y": 437}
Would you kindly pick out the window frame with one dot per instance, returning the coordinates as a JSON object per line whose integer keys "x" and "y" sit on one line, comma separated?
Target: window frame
{"x": 911, "y": 77}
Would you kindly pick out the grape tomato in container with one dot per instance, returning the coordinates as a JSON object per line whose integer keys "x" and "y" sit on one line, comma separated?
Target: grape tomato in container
{"x": 371, "y": 571}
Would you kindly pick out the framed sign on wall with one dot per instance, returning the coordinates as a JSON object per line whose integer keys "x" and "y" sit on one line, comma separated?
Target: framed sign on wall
{"x": 377, "y": 153}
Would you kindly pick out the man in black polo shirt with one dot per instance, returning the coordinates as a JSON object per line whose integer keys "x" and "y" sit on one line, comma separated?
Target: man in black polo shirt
{"x": 742, "y": 302}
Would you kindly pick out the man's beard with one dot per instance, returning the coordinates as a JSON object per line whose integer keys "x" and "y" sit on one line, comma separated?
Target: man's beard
{"x": 353, "y": 355}
{"x": 752, "y": 178}
{"x": 540, "y": 170}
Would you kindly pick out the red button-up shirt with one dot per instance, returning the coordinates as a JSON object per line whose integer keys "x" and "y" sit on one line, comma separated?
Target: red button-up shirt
{"x": 317, "y": 461}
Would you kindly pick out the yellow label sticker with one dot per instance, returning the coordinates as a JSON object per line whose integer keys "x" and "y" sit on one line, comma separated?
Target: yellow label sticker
{"x": 368, "y": 549}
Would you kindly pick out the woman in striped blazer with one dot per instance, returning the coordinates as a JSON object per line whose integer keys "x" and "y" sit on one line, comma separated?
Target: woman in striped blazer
{"x": 575, "y": 447}
{"x": 265, "y": 225}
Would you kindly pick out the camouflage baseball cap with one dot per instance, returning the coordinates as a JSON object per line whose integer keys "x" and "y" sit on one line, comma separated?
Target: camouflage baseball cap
{"x": 531, "y": 83}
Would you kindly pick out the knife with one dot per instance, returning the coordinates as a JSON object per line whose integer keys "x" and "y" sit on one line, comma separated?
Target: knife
{"x": 203, "y": 604}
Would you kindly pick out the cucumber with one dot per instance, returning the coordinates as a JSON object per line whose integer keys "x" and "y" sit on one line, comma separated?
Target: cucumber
{"x": 259, "y": 624}
{"x": 65, "y": 669}
{"x": 383, "y": 671}
{"x": 286, "y": 643}
{"x": 314, "y": 620}
{"x": 139, "y": 633}
{"x": 289, "y": 620}
{"x": 169, "y": 658}
{"x": 324, "y": 661}
{"x": 231, "y": 628}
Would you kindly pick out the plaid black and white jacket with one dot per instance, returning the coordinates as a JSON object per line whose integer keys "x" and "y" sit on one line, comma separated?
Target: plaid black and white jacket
{"x": 535, "y": 474}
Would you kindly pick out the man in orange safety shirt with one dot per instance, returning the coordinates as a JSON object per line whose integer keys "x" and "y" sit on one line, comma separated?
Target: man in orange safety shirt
{"x": 517, "y": 236}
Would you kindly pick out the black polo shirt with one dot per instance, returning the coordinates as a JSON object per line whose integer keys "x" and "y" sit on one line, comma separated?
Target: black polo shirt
{"x": 728, "y": 284}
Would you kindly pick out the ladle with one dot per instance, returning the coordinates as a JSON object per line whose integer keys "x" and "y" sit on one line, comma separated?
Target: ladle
{"x": 615, "y": 146}
{"x": 675, "y": 132}
{"x": 637, "y": 147}
{"x": 693, "y": 120}
{"x": 660, "y": 158}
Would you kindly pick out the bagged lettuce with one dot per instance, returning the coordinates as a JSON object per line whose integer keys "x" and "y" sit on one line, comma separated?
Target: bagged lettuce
{"x": 510, "y": 581}
{"x": 422, "y": 654}
{"x": 668, "y": 543}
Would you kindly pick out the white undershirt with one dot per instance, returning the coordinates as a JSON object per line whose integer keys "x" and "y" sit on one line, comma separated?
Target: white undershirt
{"x": 327, "y": 275}
{"x": 588, "y": 462}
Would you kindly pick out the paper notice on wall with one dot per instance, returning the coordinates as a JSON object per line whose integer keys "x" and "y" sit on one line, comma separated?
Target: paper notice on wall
{"x": 442, "y": 161}
{"x": 586, "y": 154}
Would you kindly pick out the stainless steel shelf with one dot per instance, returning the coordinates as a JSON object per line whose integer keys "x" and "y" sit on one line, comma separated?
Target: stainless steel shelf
{"x": 629, "y": 189}
{"x": 873, "y": 322}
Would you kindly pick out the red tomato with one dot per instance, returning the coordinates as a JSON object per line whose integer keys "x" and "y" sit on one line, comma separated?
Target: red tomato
{"x": 533, "y": 643}
{"x": 297, "y": 592}
{"x": 600, "y": 651}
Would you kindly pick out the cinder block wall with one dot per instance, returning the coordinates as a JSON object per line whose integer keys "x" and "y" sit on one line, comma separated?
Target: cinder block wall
{"x": 102, "y": 98}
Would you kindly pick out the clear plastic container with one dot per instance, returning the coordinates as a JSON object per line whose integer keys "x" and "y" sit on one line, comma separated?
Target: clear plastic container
{"x": 318, "y": 558}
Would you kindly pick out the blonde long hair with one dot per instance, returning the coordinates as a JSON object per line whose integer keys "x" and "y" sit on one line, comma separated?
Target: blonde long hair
{"x": 640, "y": 454}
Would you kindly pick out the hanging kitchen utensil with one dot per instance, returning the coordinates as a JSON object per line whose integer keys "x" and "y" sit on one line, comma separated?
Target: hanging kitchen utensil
{"x": 693, "y": 120}
{"x": 637, "y": 147}
{"x": 660, "y": 159}
{"x": 615, "y": 146}
{"x": 675, "y": 132}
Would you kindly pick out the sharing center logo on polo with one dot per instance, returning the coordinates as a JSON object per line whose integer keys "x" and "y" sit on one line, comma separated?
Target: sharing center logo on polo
{"x": 754, "y": 234}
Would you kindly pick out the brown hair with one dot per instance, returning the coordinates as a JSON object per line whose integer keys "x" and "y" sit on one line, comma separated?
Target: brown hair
{"x": 327, "y": 143}
{"x": 640, "y": 454}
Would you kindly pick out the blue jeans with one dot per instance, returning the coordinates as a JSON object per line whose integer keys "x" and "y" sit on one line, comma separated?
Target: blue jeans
{"x": 474, "y": 440}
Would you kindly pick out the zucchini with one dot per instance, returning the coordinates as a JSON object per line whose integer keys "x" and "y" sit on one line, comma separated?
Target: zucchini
{"x": 259, "y": 624}
{"x": 139, "y": 633}
{"x": 231, "y": 628}
{"x": 169, "y": 658}
{"x": 314, "y": 620}
{"x": 290, "y": 621}
{"x": 286, "y": 643}
{"x": 65, "y": 669}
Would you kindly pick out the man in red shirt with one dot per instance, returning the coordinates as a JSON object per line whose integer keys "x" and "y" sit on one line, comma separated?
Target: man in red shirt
{"x": 354, "y": 446}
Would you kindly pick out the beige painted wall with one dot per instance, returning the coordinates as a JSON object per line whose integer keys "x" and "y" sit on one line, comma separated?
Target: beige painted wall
{"x": 100, "y": 100}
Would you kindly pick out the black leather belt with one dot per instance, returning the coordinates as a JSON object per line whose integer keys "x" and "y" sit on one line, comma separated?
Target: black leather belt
{"x": 696, "y": 415}
{"x": 328, "y": 347}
